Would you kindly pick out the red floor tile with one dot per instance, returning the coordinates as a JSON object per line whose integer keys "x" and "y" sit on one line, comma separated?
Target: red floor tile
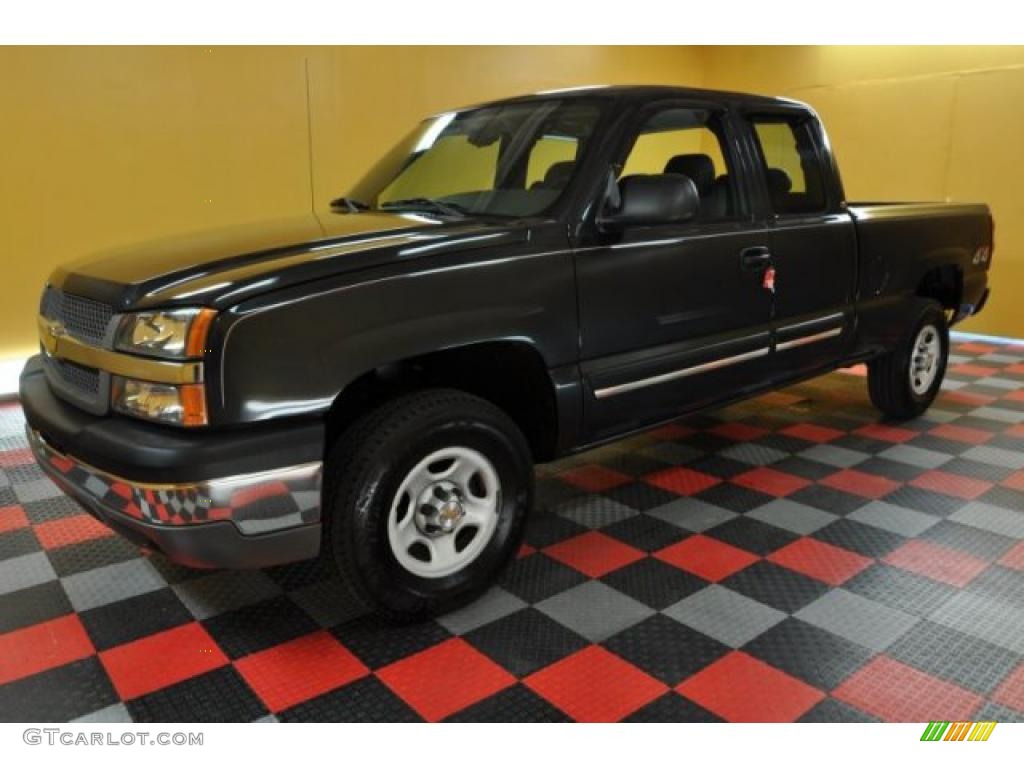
{"x": 1014, "y": 558}
{"x": 443, "y": 679}
{"x": 734, "y": 430}
{"x": 1015, "y": 481}
{"x": 708, "y": 558}
{"x": 300, "y": 669}
{"x": 70, "y": 530}
{"x": 961, "y": 434}
{"x": 671, "y": 432}
{"x": 779, "y": 399}
{"x": 1010, "y": 692}
{"x": 898, "y": 693}
{"x": 743, "y": 689}
{"x": 594, "y": 553}
{"x": 887, "y": 433}
{"x": 12, "y": 518}
{"x": 160, "y": 660}
{"x": 936, "y": 562}
{"x": 972, "y": 369}
{"x": 966, "y": 398}
{"x": 525, "y": 550}
{"x": 820, "y": 560}
{"x": 44, "y": 646}
{"x": 812, "y": 432}
{"x": 1016, "y": 396}
{"x": 16, "y": 458}
{"x": 594, "y": 478}
{"x": 976, "y": 348}
{"x": 1015, "y": 430}
{"x": 685, "y": 482}
{"x": 1015, "y": 368}
{"x": 595, "y": 686}
{"x": 861, "y": 483}
{"x": 950, "y": 484}
{"x": 770, "y": 481}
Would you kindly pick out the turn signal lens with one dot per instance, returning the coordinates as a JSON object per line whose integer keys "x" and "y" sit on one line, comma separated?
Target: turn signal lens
{"x": 183, "y": 405}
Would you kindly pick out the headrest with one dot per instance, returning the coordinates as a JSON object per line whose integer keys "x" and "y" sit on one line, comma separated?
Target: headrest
{"x": 698, "y": 167}
{"x": 557, "y": 176}
{"x": 778, "y": 180}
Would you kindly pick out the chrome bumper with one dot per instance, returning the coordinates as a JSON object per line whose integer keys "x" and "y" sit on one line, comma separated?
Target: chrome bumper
{"x": 256, "y": 504}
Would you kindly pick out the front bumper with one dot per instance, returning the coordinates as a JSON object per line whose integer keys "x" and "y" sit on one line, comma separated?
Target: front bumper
{"x": 256, "y": 517}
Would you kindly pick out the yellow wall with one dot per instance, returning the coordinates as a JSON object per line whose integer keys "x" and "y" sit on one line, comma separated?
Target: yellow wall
{"x": 913, "y": 123}
{"x": 102, "y": 146}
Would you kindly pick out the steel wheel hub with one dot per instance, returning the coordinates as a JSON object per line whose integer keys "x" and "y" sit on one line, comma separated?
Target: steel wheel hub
{"x": 924, "y": 360}
{"x": 445, "y": 512}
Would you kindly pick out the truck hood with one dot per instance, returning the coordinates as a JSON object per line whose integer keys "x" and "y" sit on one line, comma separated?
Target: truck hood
{"x": 223, "y": 267}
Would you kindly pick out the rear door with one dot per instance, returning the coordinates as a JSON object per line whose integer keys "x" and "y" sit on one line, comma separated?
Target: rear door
{"x": 813, "y": 245}
{"x": 674, "y": 316}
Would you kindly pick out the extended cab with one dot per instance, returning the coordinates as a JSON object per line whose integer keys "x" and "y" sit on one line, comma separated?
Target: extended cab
{"x": 511, "y": 283}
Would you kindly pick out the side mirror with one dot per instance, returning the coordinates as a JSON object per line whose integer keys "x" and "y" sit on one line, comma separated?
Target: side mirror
{"x": 667, "y": 198}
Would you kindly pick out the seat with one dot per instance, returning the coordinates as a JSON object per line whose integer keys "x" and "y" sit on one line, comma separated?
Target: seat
{"x": 556, "y": 176}
{"x": 714, "y": 193}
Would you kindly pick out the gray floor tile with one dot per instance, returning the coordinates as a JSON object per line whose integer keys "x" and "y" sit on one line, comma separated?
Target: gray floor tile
{"x": 1000, "y": 457}
{"x": 25, "y": 571}
{"x": 727, "y": 616}
{"x": 594, "y": 610}
{"x": 115, "y": 713}
{"x": 692, "y": 514}
{"x": 1006, "y": 522}
{"x": 889, "y": 517}
{"x": 494, "y": 605}
{"x": 858, "y": 619}
{"x": 594, "y": 511}
{"x": 916, "y": 457}
{"x": 36, "y": 490}
{"x": 224, "y": 591}
{"x": 752, "y": 453}
{"x": 112, "y": 583}
{"x": 834, "y": 455}
{"x": 792, "y": 516}
{"x": 997, "y": 621}
{"x": 998, "y": 414}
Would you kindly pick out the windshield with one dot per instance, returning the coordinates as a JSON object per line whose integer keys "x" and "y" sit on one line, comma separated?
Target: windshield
{"x": 509, "y": 160}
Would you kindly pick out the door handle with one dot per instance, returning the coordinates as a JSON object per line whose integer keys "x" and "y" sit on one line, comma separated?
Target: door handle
{"x": 756, "y": 257}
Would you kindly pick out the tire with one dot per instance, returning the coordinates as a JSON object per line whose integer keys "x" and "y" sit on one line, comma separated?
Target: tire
{"x": 925, "y": 351}
{"x": 412, "y": 535}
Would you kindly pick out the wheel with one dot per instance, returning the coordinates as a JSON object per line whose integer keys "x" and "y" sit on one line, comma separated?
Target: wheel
{"x": 903, "y": 383}
{"x": 425, "y": 499}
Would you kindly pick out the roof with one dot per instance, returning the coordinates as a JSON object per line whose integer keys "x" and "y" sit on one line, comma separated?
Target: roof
{"x": 650, "y": 92}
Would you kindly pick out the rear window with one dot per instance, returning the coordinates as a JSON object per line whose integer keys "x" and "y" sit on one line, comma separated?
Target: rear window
{"x": 792, "y": 165}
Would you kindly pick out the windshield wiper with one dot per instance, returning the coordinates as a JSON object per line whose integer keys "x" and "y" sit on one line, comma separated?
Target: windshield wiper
{"x": 413, "y": 203}
{"x": 348, "y": 205}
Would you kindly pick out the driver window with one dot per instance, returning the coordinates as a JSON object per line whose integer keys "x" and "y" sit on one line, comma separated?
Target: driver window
{"x": 688, "y": 142}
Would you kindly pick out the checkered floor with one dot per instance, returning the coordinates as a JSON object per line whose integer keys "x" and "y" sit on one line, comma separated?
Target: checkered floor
{"x": 788, "y": 558}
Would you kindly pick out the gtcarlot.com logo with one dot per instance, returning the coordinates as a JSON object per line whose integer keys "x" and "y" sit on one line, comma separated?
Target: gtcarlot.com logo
{"x": 67, "y": 738}
{"x": 962, "y": 731}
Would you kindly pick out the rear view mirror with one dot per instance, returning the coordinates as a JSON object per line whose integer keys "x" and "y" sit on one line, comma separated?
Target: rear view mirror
{"x": 667, "y": 198}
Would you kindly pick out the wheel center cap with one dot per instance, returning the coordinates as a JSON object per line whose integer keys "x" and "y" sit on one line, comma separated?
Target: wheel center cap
{"x": 449, "y": 515}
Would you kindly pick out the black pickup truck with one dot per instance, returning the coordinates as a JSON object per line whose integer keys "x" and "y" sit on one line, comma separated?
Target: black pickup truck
{"x": 511, "y": 283}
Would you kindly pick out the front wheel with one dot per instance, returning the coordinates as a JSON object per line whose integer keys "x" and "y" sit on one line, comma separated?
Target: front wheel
{"x": 425, "y": 500}
{"x": 903, "y": 383}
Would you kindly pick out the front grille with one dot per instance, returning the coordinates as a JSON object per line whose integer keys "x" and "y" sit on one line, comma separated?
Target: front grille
{"x": 83, "y": 318}
{"x": 86, "y": 380}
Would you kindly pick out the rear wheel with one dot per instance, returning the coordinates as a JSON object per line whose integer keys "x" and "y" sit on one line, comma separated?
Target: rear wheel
{"x": 425, "y": 499}
{"x": 903, "y": 383}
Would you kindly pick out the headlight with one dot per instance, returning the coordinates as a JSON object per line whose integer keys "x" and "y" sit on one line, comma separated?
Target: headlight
{"x": 182, "y": 404}
{"x": 172, "y": 333}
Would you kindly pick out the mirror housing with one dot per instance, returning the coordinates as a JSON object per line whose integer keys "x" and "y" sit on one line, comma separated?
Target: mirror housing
{"x": 665, "y": 198}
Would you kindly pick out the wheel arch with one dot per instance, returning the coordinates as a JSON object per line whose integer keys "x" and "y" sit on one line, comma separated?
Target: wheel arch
{"x": 511, "y": 374}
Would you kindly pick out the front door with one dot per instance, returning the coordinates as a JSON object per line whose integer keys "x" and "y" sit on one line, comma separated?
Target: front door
{"x": 674, "y": 316}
